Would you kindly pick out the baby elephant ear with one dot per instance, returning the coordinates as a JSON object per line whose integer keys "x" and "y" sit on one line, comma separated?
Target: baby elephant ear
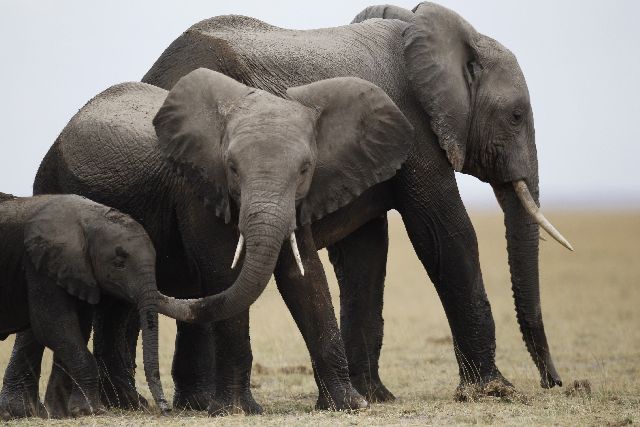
{"x": 56, "y": 246}
{"x": 190, "y": 127}
{"x": 362, "y": 139}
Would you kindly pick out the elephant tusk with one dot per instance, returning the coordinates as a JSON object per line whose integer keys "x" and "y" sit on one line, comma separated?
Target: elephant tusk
{"x": 236, "y": 257}
{"x": 542, "y": 238}
{"x": 296, "y": 252}
{"x": 530, "y": 205}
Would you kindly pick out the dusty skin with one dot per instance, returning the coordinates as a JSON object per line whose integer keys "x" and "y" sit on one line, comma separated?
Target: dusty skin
{"x": 590, "y": 298}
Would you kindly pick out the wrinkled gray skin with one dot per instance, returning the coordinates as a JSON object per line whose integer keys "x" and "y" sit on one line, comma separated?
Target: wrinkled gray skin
{"x": 212, "y": 159}
{"x": 60, "y": 253}
{"x": 467, "y": 99}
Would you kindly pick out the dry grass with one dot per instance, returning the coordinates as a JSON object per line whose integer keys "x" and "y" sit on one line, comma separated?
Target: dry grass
{"x": 590, "y": 304}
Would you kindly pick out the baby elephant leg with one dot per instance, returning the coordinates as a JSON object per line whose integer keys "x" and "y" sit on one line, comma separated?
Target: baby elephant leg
{"x": 61, "y": 323}
{"x": 19, "y": 397}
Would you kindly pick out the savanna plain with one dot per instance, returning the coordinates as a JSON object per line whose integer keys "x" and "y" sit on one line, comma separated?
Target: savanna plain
{"x": 591, "y": 308}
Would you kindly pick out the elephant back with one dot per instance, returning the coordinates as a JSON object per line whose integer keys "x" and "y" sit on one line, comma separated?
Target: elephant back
{"x": 112, "y": 138}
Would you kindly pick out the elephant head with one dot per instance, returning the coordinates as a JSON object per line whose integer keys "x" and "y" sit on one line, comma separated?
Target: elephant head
{"x": 475, "y": 94}
{"x": 279, "y": 163}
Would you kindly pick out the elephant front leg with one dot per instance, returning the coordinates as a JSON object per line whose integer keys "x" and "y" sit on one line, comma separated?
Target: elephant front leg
{"x": 193, "y": 368}
{"x": 360, "y": 262}
{"x": 19, "y": 397}
{"x": 445, "y": 242}
{"x": 233, "y": 368}
{"x": 309, "y": 301}
{"x": 116, "y": 327}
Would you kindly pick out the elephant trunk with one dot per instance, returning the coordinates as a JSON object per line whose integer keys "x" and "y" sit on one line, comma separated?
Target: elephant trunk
{"x": 266, "y": 219}
{"x": 522, "y": 234}
{"x": 148, "y": 311}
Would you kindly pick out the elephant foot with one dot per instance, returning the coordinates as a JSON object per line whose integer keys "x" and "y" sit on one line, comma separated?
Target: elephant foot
{"x": 20, "y": 404}
{"x": 82, "y": 404}
{"x": 372, "y": 389}
{"x": 229, "y": 404}
{"x": 57, "y": 408}
{"x": 121, "y": 393}
{"x": 497, "y": 386}
{"x": 346, "y": 399}
{"x": 192, "y": 401}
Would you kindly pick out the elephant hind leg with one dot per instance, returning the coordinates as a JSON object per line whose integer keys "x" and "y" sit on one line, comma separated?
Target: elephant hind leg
{"x": 19, "y": 397}
{"x": 360, "y": 262}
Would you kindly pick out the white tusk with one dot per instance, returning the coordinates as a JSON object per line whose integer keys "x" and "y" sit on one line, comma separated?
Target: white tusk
{"x": 296, "y": 253}
{"x": 236, "y": 257}
{"x": 530, "y": 205}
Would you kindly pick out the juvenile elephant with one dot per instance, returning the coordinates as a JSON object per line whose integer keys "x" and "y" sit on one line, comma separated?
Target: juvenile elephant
{"x": 253, "y": 167}
{"x": 467, "y": 99}
{"x": 60, "y": 255}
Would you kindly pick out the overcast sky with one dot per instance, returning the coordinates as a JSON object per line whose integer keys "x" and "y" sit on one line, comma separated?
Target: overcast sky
{"x": 581, "y": 60}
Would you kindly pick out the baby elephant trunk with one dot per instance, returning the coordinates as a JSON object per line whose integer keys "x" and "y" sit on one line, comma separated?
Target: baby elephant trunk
{"x": 148, "y": 310}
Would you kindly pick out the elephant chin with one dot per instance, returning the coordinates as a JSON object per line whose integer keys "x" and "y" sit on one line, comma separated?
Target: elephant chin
{"x": 522, "y": 234}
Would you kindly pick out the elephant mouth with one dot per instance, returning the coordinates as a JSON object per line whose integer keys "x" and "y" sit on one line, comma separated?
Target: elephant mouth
{"x": 294, "y": 248}
{"x": 529, "y": 204}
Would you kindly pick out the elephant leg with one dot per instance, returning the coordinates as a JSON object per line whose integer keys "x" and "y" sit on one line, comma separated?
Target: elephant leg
{"x": 59, "y": 387}
{"x": 19, "y": 397}
{"x": 233, "y": 368}
{"x": 309, "y": 301}
{"x": 445, "y": 242}
{"x": 61, "y": 384}
{"x": 194, "y": 371}
{"x": 116, "y": 327}
{"x": 360, "y": 262}
{"x": 62, "y": 323}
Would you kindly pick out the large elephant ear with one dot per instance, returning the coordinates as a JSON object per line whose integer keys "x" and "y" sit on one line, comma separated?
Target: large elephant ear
{"x": 362, "y": 139}
{"x": 441, "y": 61}
{"x": 56, "y": 246}
{"x": 190, "y": 128}
{"x": 384, "y": 11}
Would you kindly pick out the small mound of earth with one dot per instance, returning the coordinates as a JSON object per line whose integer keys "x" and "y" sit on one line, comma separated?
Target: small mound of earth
{"x": 491, "y": 390}
{"x": 580, "y": 388}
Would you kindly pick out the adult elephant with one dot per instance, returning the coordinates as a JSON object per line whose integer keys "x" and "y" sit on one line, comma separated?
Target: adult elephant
{"x": 250, "y": 164}
{"x": 468, "y": 101}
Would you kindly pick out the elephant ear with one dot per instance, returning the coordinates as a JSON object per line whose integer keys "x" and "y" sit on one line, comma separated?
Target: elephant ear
{"x": 190, "y": 127}
{"x": 362, "y": 139}
{"x": 56, "y": 246}
{"x": 441, "y": 61}
{"x": 384, "y": 11}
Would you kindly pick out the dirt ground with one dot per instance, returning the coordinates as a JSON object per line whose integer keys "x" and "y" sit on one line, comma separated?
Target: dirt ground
{"x": 591, "y": 307}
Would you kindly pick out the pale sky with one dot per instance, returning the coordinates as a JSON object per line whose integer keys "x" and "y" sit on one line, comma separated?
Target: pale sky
{"x": 581, "y": 60}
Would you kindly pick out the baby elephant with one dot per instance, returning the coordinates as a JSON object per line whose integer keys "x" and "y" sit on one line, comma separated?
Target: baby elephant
{"x": 60, "y": 253}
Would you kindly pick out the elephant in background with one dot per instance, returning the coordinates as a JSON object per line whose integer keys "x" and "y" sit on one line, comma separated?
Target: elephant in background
{"x": 212, "y": 162}
{"x": 61, "y": 255}
{"x": 467, "y": 99}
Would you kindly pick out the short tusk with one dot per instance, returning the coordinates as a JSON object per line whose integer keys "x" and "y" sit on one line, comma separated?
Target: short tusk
{"x": 542, "y": 238}
{"x": 236, "y": 257}
{"x": 530, "y": 205}
{"x": 296, "y": 252}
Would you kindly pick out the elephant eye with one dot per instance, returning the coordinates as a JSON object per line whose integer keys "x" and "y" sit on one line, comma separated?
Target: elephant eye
{"x": 118, "y": 262}
{"x": 517, "y": 116}
{"x": 233, "y": 169}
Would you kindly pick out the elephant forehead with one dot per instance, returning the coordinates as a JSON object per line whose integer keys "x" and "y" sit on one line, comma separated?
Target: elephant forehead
{"x": 271, "y": 119}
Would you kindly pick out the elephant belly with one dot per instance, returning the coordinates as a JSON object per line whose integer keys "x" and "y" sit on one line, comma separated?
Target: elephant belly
{"x": 14, "y": 307}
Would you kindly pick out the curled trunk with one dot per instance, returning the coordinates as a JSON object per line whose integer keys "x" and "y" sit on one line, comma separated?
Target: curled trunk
{"x": 522, "y": 233}
{"x": 265, "y": 224}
